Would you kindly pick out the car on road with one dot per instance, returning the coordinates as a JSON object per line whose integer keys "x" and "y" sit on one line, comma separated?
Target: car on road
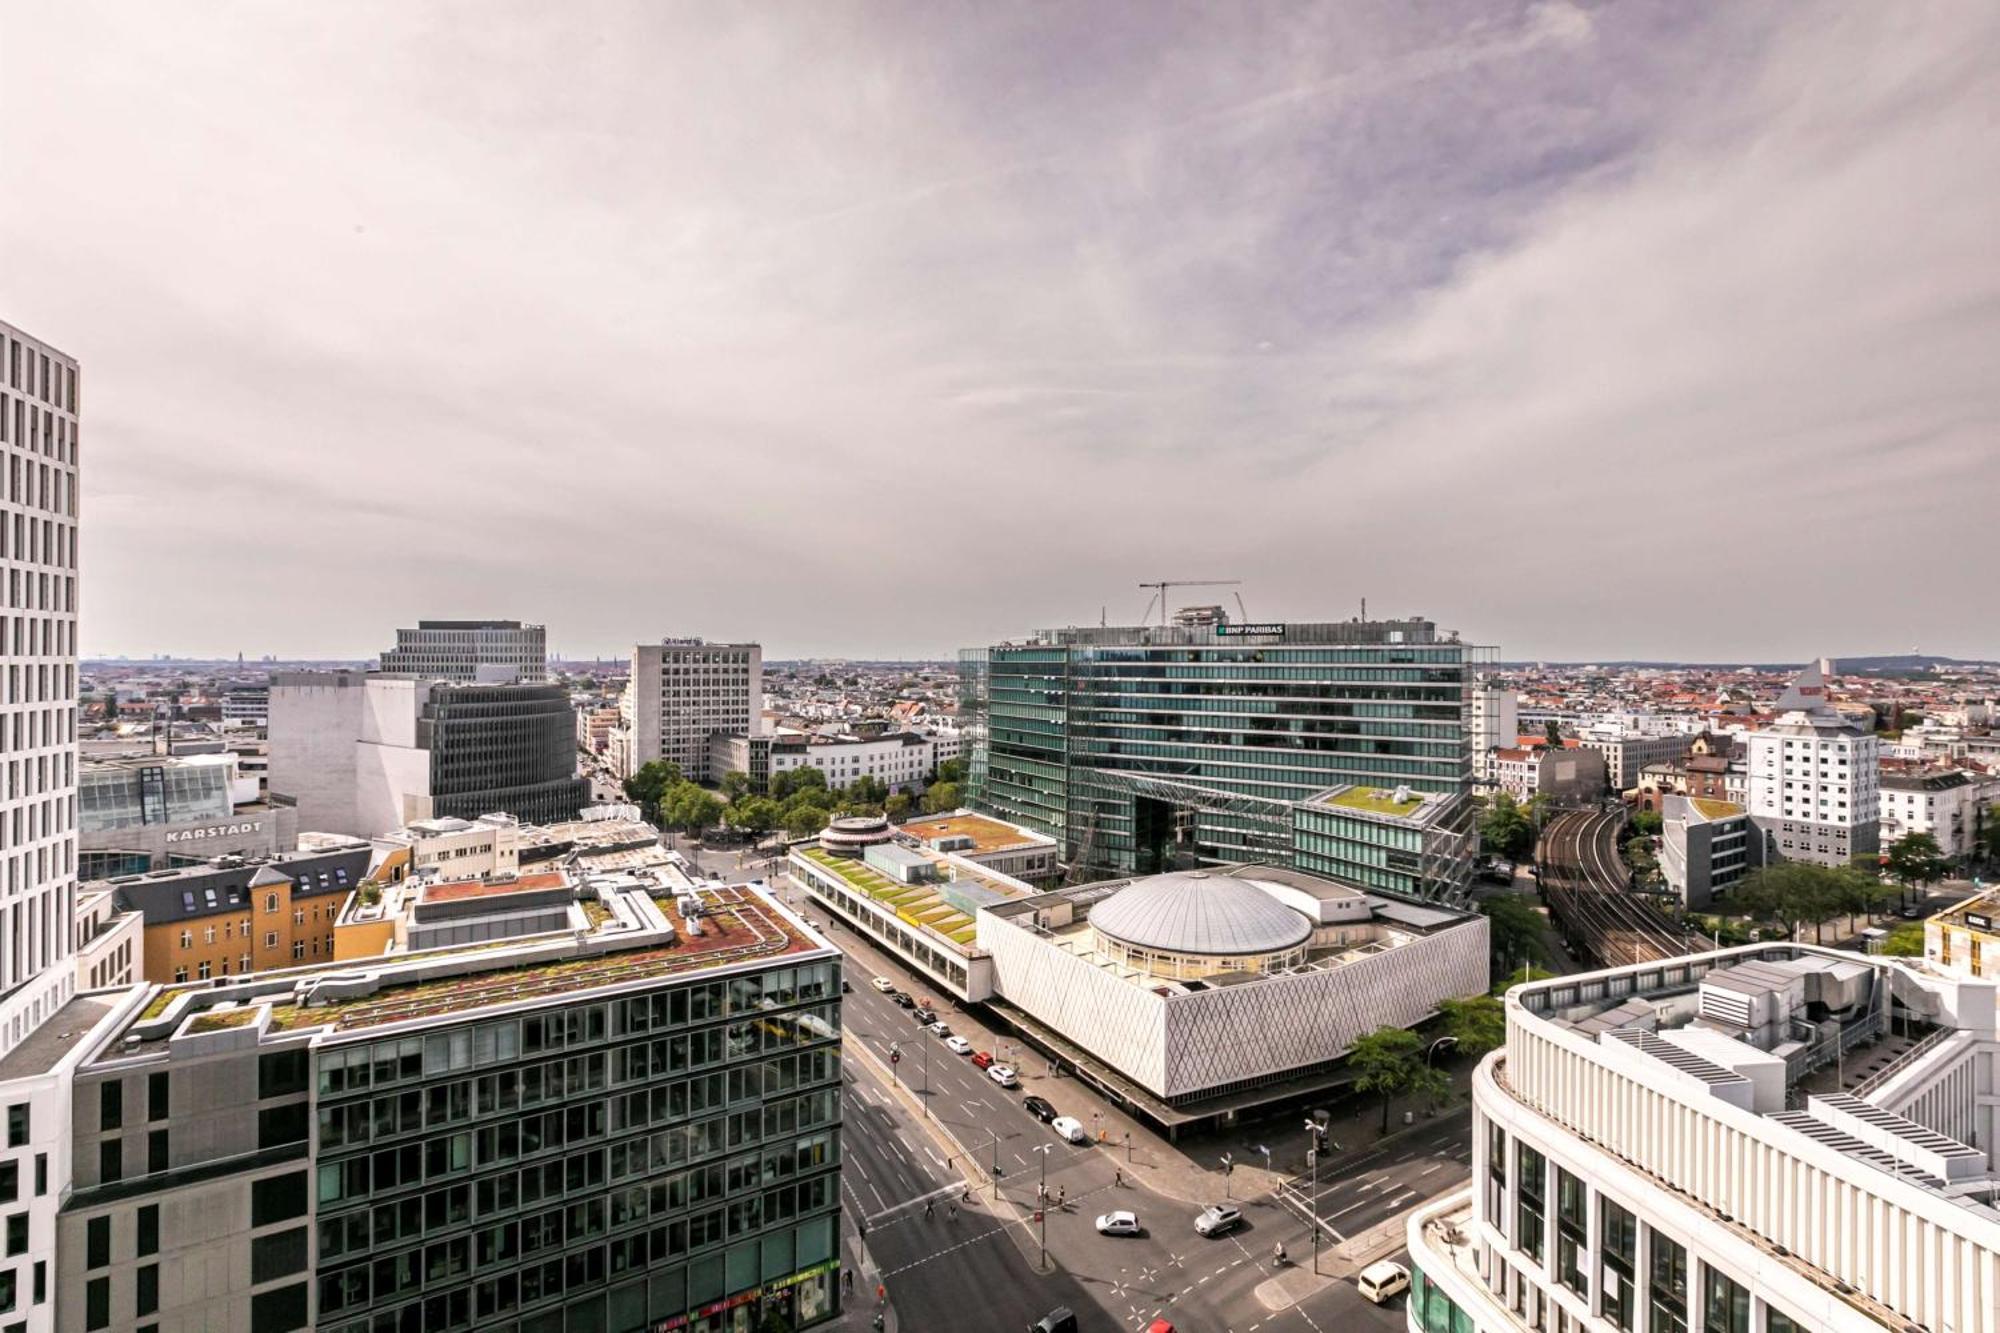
{"x": 924, "y": 1016}
{"x": 1218, "y": 1219}
{"x": 1003, "y": 1075}
{"x": 1911, "y": 913}
{"x": 1159, "y": 1326}
{"x": 1058, "y": 1320}
{"x": 902, "y": 1000}
{"x": 958, "y": 1045}
{"x": 1039, "y": 1107}
{"x": 984, "y": 1059}
{"x": 1070, "y": 1128}
{"x": 883, "y": 984}
{"x": 940, "y": 1030}
{"x": 1120, "y": 1223}
{"x": 1383, "y": 1281}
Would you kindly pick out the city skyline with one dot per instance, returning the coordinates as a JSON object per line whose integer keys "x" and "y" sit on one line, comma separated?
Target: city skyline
{"x": 1565, "y": 327}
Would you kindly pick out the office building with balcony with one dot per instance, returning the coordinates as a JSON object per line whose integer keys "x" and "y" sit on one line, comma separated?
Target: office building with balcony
{"x": 1771, "y": 1139}
{"x": 468, "y": 652}
{"x": 633, "y": 1125}
{"x": 1143, "y": 748}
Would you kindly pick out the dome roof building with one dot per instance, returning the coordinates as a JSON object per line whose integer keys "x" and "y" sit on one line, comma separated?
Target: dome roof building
{"x": 1191, "y": 924}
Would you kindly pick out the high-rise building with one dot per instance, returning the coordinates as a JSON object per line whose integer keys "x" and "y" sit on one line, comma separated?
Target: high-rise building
{"x": 1496, "y": 725}
{"x": 1814, "y": 779}
{"x": 681, "y": 692}
{"x": 471, "y": 651}
{"x": 365, "y": 752}
{"x": 38, "y": 542}
{"x": 1772, "y": 1139}
{"x": 1144, "y": 747}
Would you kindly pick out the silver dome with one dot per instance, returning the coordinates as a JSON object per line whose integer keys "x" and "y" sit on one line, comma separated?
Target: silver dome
{"x": 1195, "y": 913}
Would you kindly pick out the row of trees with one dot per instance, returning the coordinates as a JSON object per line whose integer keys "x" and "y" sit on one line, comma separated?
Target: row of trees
{"x": 799, "y": 800}
{"x": 1395, "y": 1062}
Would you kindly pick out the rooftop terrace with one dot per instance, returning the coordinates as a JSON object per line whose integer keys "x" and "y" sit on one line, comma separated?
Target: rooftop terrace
{"x": 988, "y": 835}
{"x": 1372, "y": 801}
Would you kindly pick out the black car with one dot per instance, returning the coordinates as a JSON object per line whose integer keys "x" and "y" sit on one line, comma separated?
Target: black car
{"x": 903, "y": 1001}
{"x": 925, "y": 1016}
{"x": 1039, "y": 1107}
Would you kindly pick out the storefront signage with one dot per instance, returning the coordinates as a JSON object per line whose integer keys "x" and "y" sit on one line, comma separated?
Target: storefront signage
{"x": 1978, "y": 922}
{"x": 1249, "y": 631}
{"x": 679, "y": 1321}
{"x": 213, "y": 831}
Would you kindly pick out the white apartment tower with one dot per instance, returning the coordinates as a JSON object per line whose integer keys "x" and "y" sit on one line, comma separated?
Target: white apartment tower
{"x": 468, "y": 652}
{"x": 1773, "y": 1139}
{"x": 1814, "y": 779}
{"x": 39, "y": 437}
{"x": 681, "y": 692}
{"x": 1496, "y": 725}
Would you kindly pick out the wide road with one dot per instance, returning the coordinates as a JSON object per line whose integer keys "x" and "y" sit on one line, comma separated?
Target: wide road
{"x": 1369, "y": 1190}
{"x": 978, "y": 1270}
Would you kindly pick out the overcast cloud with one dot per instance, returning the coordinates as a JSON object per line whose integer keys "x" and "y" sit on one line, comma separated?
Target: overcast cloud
{"x": 882, "y": 329}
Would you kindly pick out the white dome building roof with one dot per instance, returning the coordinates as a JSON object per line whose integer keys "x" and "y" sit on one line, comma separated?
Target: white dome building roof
{"x": 1191, "y": 912}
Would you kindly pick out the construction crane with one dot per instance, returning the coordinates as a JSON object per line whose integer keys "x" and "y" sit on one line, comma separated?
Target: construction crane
{"x": 1160, "y": 594}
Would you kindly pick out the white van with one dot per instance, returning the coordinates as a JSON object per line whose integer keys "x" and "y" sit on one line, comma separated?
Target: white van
{"x": 1383, "y": 1281}
{"x": 1069, "y": 1128}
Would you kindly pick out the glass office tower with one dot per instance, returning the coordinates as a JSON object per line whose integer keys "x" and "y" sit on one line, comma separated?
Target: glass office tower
{"x": 1148, "y": 746}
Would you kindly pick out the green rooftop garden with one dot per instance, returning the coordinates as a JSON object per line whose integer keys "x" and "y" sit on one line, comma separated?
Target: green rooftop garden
{"x": 1375, "y": 802}
{"x": 914, "y": 904}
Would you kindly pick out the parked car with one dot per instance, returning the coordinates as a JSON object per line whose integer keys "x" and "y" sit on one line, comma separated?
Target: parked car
{"x": 1383, "y": 1281}
{"x": 984, "y": 1059}
{"x": 846, "y": 986}
{"x": 1039, "y": 1107}
{"x": 958, "y": 1045}
{"x": 1003, "y": 1075}
{"x": 940, "y": 1030}
{"x": 924, "y": 1016}
{"x": 1159, "y": 1326}
{"x": 883, "y": 984}
{"x": 1911, "y": 913}
{"x": 1070, "y": 1128}
{"x": 902, "y": 1000}
{"x": 1120, "y": 1223}
{"x": 1058, "y": 1320}
{"x": 1218, "y": 1219}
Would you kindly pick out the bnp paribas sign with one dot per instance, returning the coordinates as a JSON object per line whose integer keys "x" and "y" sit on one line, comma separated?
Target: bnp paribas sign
{"x": 1250, "y": 631}
{"x": 213, "y": 831}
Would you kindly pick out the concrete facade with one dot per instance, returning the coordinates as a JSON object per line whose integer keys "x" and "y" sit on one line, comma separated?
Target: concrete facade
{"x": 682, "y": 691}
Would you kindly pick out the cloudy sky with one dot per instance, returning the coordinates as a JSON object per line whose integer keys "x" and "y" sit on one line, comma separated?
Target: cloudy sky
{"x": 880, "y": 329}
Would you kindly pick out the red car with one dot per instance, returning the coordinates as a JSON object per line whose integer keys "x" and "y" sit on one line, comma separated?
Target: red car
{"x": 1159, "y": 1326}
{"x": 984, "y": 1059}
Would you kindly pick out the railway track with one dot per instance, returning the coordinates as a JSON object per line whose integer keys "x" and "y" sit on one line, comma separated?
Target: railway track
{"x": 1589, "y": 895}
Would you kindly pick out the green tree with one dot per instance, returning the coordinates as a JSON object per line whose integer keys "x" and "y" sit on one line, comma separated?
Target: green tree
{"x": 1915, "y": 858}
{"x": 1504, "y": 830}
{"x": 1513, "y": 931}
{"x": 1553, "y": 732}
{"x": 1905, "y": 941}
{"x": 645, "y": 787}
{"x": 941, "y": 797}
{"x": 1796, "y": 894}
{"x": 1647, "y": 823}
{"x": 689, "y": 808}
{"x": 1645, "y": 864}
{"x": 866, "y": 790}
{"x": 898, "y": 806}
{"x": 1522, "y": 978}
{"x": 754, "y": 815}
{"x": 951, "y": 770}
{"x": 1390, "y": 1063}
{"x": 735, "y": 786}
{"x": 803, "y": 819}
{"x": 1477, "y": 1024}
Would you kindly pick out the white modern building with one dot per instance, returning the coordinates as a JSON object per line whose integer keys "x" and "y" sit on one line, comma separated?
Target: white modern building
{"x": 902, "y": 759}
{"x": 681, "y": 692}
{"x": 471, "y": 651}
{"x": 1496, "y": 725}
{"x": 1947, "y": 804}
{"x": 1769, "y": 1139}
{"x": 1813, "y": 779}
{"x": 38, "y": 543}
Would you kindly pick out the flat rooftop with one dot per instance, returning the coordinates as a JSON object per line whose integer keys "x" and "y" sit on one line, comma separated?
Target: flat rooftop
{"x": 988, "y": 835}
{"x": 1373, "y": 801}
{"x": 1714, "y": 809}
{"x": 459, "y": 889}
{"x": 925, "y": 905}
{"x": 738, "y": 925}
{"x": 44, "y": 1048}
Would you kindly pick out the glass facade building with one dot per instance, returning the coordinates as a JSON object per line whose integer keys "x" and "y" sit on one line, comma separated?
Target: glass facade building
{"x": 502, "y": 747}
{"x": 1142, "y": 745}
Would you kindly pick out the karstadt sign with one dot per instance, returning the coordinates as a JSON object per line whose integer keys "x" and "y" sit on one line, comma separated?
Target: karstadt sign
{"x": 214, "y": 831}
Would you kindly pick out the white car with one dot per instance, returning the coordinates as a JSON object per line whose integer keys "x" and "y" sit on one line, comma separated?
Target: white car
{"x": 1003, "y": 1075}
{"x": 1383, "y": 1281}
{"x": 883, "y": 984}
{"x": 1069, "y": 1128}
{"x": 1218, "y": 1218}
{"x": 1120, "y": 1223}
{"x": 958, "y": 1045}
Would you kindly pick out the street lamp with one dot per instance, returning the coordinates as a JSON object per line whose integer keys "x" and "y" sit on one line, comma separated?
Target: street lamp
{"x": 1042, "y": 1205}
{"x": 1228, "y": 1168}
{"x": 1441, "y": 1041}
{"x": 1317, "y": 1127}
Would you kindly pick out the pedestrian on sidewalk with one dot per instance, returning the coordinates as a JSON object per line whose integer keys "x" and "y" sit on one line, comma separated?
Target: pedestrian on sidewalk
{"x": 929, "y": 1206}
{"x": 952, "y": 1216}
{"x": 1118, "y": 1177}
{"x": 1062, "y": 1192}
